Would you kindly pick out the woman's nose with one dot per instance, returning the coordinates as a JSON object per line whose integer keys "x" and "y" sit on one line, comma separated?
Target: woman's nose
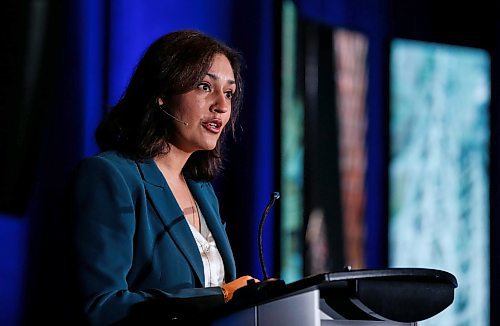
{"x": 221, "y": 103}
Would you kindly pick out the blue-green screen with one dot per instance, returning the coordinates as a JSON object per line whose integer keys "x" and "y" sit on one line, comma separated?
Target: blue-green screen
{"x": 439, "y": 197}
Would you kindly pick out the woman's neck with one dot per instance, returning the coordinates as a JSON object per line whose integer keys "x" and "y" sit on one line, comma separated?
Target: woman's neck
{"x": 172, "y": 163}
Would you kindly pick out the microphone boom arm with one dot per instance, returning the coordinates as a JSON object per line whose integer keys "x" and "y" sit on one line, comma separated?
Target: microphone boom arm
{"x": 274, "y": 197}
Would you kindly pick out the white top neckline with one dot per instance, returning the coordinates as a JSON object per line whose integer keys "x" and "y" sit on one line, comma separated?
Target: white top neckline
{"x": 213, "y": 266}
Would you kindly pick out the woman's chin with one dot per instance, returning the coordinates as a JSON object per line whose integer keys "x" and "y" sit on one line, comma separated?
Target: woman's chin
{"x": 207, "y": 147}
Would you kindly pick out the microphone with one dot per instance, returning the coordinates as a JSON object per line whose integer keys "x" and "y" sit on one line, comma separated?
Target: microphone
{"x": 274, "y": 197}
{"x": 174, "y": 117}
{"x": 255, "y": 292}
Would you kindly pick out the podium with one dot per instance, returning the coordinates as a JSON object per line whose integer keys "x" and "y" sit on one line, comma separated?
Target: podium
{"x": 394, "y": 296}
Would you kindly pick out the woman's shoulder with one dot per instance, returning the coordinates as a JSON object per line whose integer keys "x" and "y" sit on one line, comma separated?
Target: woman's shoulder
{"x": 105, "y": 170}
{"x": 113, "y": 157}
{"x": 109, "y": 161}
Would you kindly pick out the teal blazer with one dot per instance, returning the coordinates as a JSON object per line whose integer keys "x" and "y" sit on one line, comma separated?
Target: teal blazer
{"x": 131, "y": 244}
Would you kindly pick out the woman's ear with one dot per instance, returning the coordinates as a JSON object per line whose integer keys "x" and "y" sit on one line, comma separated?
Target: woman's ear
{"x": 160, "y": 101}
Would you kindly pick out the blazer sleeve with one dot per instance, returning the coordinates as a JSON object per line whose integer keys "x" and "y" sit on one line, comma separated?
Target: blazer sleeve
{"x": 101, "y": 207}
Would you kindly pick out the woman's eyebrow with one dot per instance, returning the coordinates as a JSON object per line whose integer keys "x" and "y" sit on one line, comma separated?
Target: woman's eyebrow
{"x": 215, "y": 77}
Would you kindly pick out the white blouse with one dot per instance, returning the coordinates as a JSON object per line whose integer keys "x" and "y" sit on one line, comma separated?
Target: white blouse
{"x": 213, "y": 265}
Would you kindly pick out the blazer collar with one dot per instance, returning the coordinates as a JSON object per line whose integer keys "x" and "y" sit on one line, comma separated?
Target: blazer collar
{"x": 163, "y": 200}
{"x": 170, "y": 214}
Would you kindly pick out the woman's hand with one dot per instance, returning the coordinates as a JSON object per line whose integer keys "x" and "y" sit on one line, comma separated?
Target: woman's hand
{"x": 229, "y": 288}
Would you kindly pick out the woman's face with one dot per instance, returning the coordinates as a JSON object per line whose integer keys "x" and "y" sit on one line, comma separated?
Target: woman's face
{"x": 206, "y": 109}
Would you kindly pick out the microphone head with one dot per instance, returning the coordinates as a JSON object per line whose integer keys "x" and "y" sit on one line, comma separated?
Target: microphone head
{"x": 276, "y": 195}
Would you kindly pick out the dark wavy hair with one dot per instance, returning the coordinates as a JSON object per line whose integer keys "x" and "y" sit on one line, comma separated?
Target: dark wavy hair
{"x": 174, "y": 64}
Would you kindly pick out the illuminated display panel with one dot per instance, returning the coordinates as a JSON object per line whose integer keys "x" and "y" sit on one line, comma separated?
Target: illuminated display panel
{"x": 438, "y": 174}
{"x": 292, "y": 153}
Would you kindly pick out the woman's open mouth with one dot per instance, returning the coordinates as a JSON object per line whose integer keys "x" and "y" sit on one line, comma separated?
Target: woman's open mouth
{"x": 212, "y": 125}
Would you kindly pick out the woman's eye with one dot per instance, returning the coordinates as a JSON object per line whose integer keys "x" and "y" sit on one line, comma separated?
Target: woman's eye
{"x": 205, "y": 87}
{"x": 229, "y": 94}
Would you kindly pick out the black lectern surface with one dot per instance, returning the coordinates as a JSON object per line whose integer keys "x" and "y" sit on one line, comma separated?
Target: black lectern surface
{"x": 394, "y": 294}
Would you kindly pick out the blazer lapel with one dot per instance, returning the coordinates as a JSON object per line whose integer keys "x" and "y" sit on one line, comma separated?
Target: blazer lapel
{"x": 201, "y": 191}
{"x": 174, "y": 222}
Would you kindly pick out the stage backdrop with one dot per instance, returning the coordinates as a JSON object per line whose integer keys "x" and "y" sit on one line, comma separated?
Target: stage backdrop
{"x": 79, "y": 58}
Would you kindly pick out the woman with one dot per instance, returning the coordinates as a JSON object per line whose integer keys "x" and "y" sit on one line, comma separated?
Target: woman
{"x": 146, "y": 225}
